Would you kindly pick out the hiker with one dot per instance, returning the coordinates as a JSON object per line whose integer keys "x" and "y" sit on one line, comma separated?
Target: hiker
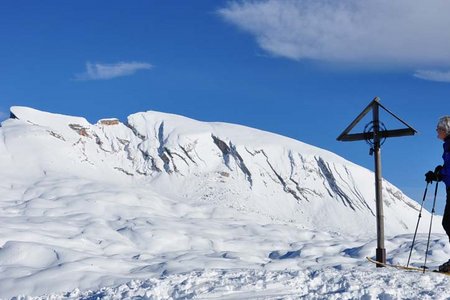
{"x": 442, "y": 173}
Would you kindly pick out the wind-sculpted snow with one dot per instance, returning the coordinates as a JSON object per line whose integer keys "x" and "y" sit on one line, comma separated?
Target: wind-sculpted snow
{"x": 169, "y": 207}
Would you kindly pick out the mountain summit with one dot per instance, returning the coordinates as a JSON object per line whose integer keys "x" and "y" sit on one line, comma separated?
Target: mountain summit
{"x": 223, "y": 164}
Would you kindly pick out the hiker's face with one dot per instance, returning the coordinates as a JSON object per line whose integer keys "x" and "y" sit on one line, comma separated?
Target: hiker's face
{"x": 441, "y": 133}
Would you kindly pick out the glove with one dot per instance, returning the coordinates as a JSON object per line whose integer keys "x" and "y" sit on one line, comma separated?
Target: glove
{"x": 430, "y": 176}
{"x": 437, "y": 173}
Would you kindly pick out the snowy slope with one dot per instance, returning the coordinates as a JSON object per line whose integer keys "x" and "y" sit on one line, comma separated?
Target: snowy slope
{"x": 166, "y": 197}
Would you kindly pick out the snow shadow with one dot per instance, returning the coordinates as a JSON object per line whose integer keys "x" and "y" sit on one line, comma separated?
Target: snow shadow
{"x": 287, "y": 255}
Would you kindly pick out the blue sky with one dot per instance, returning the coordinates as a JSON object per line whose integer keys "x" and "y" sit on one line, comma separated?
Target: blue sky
{"x": 303, "y": 69}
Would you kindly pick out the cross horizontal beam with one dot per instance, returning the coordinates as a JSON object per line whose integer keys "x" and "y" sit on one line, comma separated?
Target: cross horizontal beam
{"x": 375, "y": 104}
{"x": 381, "y": 134}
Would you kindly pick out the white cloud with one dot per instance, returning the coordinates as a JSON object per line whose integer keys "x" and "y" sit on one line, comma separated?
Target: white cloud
{"x": 108, "y": 71}
{"x": 434, "y": 75}
{"x": 412, "y": 34}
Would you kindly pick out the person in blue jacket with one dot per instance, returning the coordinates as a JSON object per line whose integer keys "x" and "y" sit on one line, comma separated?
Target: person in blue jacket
{"x": 442, "y": 173}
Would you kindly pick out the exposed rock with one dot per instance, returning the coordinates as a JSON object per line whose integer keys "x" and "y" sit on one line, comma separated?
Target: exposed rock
{"x": 79, "y": 129}
{"x": 231, "y": 151}
{"x": 56, "y": 135}
{"x": 109, "y": 122}
{"x": 124, "y": 171}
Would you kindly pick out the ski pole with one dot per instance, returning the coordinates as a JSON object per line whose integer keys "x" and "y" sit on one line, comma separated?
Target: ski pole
{"x": 418, "y": 221}
{"x": 431, "y": 222}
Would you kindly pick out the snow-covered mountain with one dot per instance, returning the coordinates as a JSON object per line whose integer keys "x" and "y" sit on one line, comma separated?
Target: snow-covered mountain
{"x": 231, "y": 165}
{"x": 89, "y": 205}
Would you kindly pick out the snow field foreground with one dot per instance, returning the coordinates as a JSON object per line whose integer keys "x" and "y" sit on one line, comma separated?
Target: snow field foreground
{"x": 307, "y": 284}
{"x": 72, "y": 238}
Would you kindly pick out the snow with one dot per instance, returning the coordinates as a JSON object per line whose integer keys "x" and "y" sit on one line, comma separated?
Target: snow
{"x": 165, "y": 207}
{"x": 314, "y": 284}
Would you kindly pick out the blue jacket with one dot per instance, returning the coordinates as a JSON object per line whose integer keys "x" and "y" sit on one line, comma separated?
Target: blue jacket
{"x": 445, "y": 172}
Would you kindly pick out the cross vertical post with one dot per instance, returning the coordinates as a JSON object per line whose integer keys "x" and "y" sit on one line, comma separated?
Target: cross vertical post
{"x": 380, "y": 251}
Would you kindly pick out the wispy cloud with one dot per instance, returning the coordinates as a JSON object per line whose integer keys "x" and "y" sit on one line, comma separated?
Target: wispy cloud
{"x": 411, "y": 34}
{"x": 434, "y": 75}
{"x": 108, "y": 71}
